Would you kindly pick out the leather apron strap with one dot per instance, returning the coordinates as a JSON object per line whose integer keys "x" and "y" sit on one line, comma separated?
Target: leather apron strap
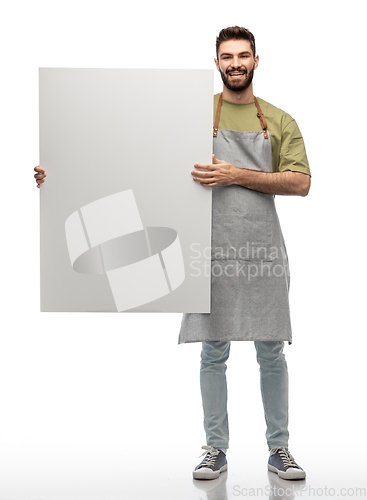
{"x": 217, "y": 116}
{"x": 260, "y": 115}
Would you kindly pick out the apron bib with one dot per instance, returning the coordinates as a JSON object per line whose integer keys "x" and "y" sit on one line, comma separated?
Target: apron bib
{"x": 249, "y": 263}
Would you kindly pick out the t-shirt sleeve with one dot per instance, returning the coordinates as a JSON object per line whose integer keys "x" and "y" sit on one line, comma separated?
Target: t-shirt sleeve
{"x": 292, "y": 150}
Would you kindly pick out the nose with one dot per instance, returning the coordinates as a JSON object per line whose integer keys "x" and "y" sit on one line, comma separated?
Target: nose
{"x": 236, "y": 62}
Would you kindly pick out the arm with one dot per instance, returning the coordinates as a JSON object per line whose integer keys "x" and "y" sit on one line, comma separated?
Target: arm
{"x": 284, "y": 183}
{"x": 222, "y": 173}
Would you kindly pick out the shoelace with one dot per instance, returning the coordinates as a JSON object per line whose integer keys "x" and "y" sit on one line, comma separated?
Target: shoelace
{"x": 211, "y": 455}
{"x": 286, "y": 457}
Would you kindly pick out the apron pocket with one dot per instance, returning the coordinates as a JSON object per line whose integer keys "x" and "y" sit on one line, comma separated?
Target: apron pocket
{"x": 241, "y": 236}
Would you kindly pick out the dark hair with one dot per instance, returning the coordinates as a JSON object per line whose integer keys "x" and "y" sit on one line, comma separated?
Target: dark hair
{"x": 235, "y": 33}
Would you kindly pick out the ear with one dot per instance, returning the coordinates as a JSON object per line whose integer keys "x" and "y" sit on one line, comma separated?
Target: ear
{"x": 256, "y": 61}
{"x": 217, "y": 64}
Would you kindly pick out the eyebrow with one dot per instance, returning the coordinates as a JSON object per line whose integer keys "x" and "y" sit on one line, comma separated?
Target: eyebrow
{"x": 227, "y": 54}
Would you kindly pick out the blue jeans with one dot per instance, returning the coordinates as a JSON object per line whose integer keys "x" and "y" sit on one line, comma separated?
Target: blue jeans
{"x": 273, "y": 384}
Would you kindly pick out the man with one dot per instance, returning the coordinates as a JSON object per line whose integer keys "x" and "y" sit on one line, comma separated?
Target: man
{"x": 258, "y": 152}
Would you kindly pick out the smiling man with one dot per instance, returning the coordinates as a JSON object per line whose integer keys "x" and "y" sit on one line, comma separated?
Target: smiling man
{"x": 236, "y": 70}
{"x": 258, "y": 153}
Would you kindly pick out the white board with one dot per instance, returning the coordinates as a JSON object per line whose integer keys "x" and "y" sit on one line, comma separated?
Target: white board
{"x": 123, "y": 225}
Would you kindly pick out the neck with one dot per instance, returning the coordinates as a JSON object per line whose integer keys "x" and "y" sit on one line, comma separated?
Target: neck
{"x": 239, "y": 97}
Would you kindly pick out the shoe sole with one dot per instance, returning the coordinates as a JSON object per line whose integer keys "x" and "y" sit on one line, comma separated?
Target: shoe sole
{"x": 294, "y": 474}
{"x": 208, "y": 473}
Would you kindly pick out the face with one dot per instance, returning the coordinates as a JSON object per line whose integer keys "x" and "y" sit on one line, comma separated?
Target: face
{"x": 236, "y": 64}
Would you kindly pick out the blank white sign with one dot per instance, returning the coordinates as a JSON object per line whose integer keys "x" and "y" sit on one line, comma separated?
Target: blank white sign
{"x": 123, "y": 225}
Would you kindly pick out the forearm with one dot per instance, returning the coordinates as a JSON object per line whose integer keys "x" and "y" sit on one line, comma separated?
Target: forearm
{"x": 282, "y": 183}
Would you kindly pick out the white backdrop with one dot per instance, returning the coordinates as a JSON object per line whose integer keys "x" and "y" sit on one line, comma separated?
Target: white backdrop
{"x": 79, "y": 392}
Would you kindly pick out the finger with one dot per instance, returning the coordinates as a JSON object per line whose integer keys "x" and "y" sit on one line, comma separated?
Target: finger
{"x": 39, "y": 169}
{"x": 206, "y": 181}
{"x": 209, "y": 185}
{"x": 205, "y": 166}
{"x": 202, "y": 174}
{"x": 202, "y": 179}
{"x": 216, "y": 161}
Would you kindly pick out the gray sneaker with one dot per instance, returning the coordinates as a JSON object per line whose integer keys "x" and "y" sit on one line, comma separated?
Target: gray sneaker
{"x": 282, "y": 462}
{"x": 212, "y": 464}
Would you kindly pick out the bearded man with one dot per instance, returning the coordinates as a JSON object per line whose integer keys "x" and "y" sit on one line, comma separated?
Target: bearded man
{"x": 258, "y": 153}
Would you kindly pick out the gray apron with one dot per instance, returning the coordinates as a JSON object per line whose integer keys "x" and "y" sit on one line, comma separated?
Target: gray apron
{"x": 249, "y": 263}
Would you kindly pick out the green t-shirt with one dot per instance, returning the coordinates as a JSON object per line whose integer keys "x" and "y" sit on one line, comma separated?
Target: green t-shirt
{"x": 288, "y": 149}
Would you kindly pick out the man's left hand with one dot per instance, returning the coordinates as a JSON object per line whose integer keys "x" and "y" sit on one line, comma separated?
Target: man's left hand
{"x": 218, "y": 173}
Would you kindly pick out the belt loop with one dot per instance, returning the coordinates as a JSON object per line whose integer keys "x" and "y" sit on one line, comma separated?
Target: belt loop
{"x": 261, "y": 116}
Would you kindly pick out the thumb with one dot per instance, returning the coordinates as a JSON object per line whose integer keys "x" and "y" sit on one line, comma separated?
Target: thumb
{"x": 215, "y": 160}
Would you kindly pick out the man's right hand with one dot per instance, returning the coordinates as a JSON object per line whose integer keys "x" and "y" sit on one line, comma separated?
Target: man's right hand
{"x": 39, "y": 176}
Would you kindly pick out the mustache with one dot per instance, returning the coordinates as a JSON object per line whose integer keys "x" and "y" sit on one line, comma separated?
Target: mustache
{"x": 237, "y": 70}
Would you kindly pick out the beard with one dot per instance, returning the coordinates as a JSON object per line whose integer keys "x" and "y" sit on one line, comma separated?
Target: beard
{"x": 236, "y": 85}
